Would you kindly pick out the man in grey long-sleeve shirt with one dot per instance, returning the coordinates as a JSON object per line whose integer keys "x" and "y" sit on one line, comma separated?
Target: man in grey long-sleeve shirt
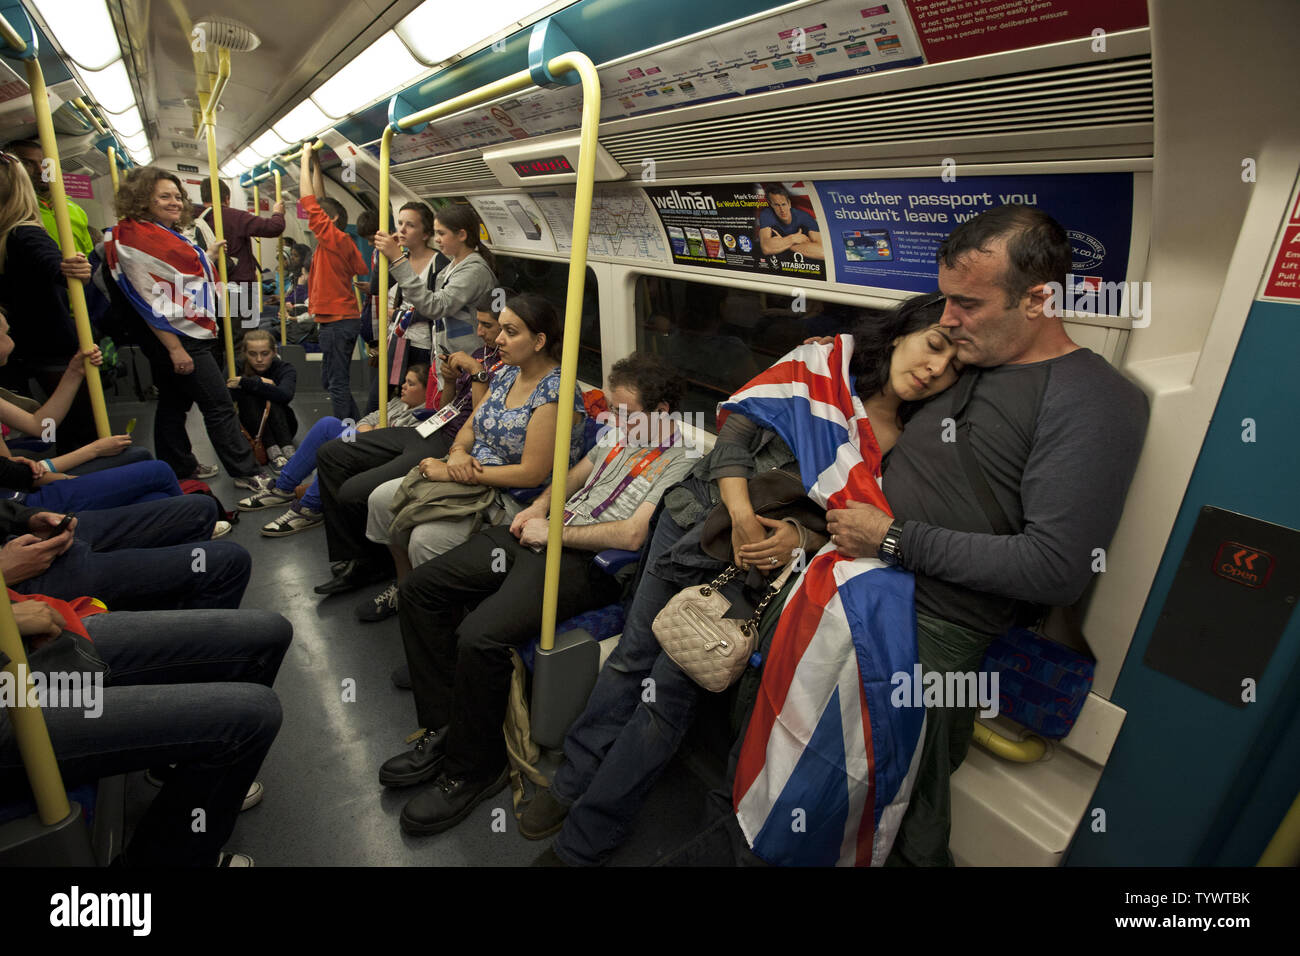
{"x": 1056, "y": 433}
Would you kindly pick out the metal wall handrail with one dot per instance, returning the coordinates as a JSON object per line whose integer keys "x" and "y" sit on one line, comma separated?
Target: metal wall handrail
{"x": 586, "y": 180}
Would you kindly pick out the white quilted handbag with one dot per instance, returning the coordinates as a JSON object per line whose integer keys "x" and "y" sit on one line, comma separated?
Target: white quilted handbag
{"x": 711, "y": 649}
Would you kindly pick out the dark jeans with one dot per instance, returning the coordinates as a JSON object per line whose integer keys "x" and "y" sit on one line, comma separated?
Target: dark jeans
{"x": 281, "y": 423}
{"x": 349, "y": 470}
{"x": 337, "y": 340}
{"x": 151, "y": 556}
{"x": 617, "y": 749}
{"x": 127, "y": 456}
{"x": 922, "y": 838}
{"x": 206, "y": 385}
{"x": 191, "y": 688}
{"x": 142, "y": 481}
{"x": 460, "y": 662}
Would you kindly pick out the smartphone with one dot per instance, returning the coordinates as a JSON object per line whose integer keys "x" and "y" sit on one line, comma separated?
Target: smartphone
{"x": 62, "y": 526}
{"x": 130, "y": 426}
{"x": 444, "y": 351}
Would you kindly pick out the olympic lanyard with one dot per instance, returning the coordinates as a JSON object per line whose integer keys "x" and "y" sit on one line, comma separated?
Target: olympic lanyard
{"x": 645, "y": 462}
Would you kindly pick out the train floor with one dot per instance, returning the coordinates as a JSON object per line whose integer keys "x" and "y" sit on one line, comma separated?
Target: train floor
{"x": 323, "y": 803}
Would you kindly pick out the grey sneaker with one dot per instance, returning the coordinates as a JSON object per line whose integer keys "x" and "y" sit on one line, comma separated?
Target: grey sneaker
{"x": 204, "y": 472}
{"x": 270, "y": 498}
{"x": 292, "y": 521}
{"x": 255, "y": 483}
{"x": 221, "y": 529}
{"x": 279, "y": 461}
{"x": 380, "y": 607}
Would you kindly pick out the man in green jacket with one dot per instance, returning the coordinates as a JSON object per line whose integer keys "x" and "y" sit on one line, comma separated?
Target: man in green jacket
{"x": 33, "y": 160}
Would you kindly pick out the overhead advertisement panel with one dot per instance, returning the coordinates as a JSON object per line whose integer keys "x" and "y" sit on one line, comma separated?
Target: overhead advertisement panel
{"x": 766, "y": 228}
{"x": 885, "y": 233}
{"x": 622, "y": 223}
{"x": 513, "y": 221}
{"x": 819, "y": 42}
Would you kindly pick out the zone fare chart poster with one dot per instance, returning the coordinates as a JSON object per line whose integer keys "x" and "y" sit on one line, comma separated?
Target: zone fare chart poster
{"x": 885, "y": 233}
{"x": 768, "y": 228}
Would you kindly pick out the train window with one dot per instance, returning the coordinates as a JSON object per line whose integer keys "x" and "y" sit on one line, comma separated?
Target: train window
{"x": 720, "y": 338}
{"x": 550, "y": 278}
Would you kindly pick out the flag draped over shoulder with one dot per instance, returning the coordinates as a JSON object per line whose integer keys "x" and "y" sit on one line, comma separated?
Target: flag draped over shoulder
{"x": 165, "y": 277}
{"x": 827, "y": 764}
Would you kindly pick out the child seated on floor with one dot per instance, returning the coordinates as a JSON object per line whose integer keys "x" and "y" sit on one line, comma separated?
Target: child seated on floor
{"x": 307, "y": 513}
{"x": 264, "y": 391}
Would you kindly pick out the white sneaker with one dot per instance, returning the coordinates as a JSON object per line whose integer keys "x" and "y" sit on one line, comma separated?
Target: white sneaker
{"x": 221, "y": 529}
{"x": 292, "y": 521}
{"x": 270, "y": 498}
{"x": 254, "y": 483}
{"x": 204, "y": 472}
{"x": 234, "y": 859}
{"x": 253, "y": 797}
{"x": 278, "y": 462}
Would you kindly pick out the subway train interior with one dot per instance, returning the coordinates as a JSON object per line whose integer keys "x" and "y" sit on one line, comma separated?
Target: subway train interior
{"x": 681, "y": 140}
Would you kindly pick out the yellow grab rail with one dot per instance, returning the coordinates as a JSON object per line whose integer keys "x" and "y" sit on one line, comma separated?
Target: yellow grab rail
{"x": 582, "y": 199}
{"x": 279, "y": 261}
{"x": 1284, "y": 848}
{"x": 80, "y": 104}
{"x": 257, "y": 246}
{"x": 112, "y": 167}
{"x": 1028, "y": 750}
{"x": 59, "y": 203}
{"x": 208, "y": 104}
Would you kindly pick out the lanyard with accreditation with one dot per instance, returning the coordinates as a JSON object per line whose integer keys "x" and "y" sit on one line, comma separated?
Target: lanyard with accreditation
{"x": 449, "y": 411}
{"x": 644, "y": 462}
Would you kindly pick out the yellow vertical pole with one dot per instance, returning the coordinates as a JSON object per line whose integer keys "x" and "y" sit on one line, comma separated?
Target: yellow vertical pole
{"x": 208, "y": 107}
{"x": 59, "y": 202}
{"x": 112, "y": 168}
{"x": 572, "y": 325}
{"x": 381, "y": 321}
{"x": 29, "y": 725}
{"x": 279, "y": 261}
{"x": 257, "y": 245}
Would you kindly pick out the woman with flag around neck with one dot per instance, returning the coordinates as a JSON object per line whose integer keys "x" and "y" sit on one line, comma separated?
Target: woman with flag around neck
{"x": 824, "y": 414}
{"x": 168, "y": 281}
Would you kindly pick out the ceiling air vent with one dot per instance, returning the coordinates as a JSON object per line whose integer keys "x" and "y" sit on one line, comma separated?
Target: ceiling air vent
{"x": 426, "y": 179}
{"x": 185, "y": 146}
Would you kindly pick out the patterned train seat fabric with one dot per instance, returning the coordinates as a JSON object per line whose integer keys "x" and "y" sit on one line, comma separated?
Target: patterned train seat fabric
{"x": 1042, "y": 684}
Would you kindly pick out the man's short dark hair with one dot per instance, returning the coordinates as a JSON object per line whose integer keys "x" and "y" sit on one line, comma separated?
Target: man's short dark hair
{"x": 775, "y": 189}
{"x": 367, "y": 223}
{"x": 651, "y": 379}
{"x": 334, "y": 209}
{"x": 1038, "y": 250}
{"x": 205, "y": 192}
{"x": 29, "y": 143}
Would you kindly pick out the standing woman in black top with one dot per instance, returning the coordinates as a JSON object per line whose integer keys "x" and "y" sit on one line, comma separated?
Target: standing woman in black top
{"x": 33, "y": 290}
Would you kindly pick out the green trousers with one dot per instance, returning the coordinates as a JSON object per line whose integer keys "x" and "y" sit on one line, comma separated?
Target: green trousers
{"x": 923, "y": 837}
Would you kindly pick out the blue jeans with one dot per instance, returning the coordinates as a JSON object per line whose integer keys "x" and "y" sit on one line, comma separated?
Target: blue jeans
{"x": 616, "y": 750}
{"x": 303, "y": 462}
{"x": 337, "y": 340}
{"x": 143, "y": 481}
{"x": 150, "y": 556}
{"x": 191, "y": 688}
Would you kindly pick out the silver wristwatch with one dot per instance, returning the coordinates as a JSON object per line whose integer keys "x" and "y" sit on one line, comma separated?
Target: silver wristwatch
{"x": 891, "y": 549}
{"x": 480, "y": 377}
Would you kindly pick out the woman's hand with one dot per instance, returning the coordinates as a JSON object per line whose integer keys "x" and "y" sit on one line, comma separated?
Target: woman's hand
{"x": 77, "y": 366}
{"x": 78, "y": 267}
{"x": 110, "y": 446}
{"x": 217, "y": 249}
{"x": 388, "y": 245}
{"x": 745, "y": 530}
{"x": 463, "y": 467}
{"x": 434, "y": 469}
{"x": 182, "y": 362}
{"x": 233, "y": 382}
{"x": 37, "y": 467}
{"x": 776, "y": 550}
{"x": 37, "y": 619}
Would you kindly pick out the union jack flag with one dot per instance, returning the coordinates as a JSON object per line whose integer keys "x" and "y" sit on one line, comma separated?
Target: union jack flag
{"x": 827, "y": 764}
{"x": 167, "y": 278}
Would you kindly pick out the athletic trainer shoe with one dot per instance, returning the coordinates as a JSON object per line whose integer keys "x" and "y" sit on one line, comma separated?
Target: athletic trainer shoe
{"x": 279, "y": 461}
{"x": 221, "y": 529}
{"x": 234, "y": 859}
{"x": 272, "y": 497}
{"x": 292, "y": 521}
{"x": 380, "y": 607}
{"x": 204, "y": 472}
{"x": 255, "y": 483}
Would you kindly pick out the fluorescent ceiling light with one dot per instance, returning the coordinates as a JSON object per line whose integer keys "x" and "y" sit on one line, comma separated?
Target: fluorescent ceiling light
{"x": 143, "y": 156}
{"x": 268, "y": 144}
{"x": 110, "y": 87}
{"x": 302, "y": 122}
{"x": 437, "y": 30}
{"x": 128, "y": 123}
{"x": 135, "y": 143}
{"x": 233, "y": 169}
{"x": 249, "y": 157}
{"x": 384, "y": 66}
{"x": 84, "y": 30}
